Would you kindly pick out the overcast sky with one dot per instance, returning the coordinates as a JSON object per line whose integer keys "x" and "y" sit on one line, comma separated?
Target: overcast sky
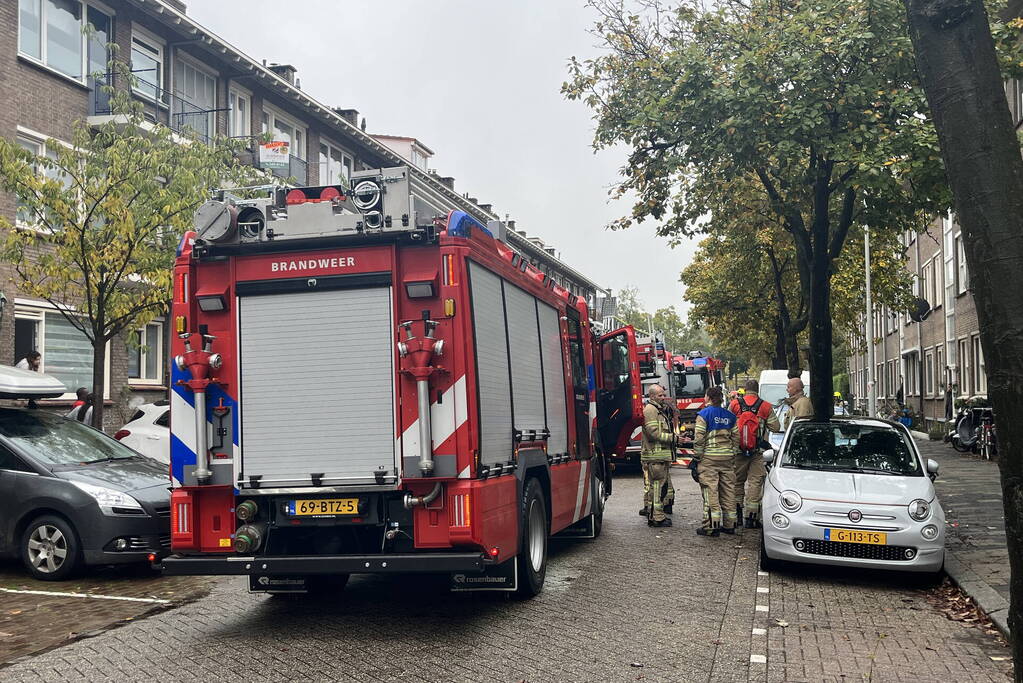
{"x": 478, "y": 82}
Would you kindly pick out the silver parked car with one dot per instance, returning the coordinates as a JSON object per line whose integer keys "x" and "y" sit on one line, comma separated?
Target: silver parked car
{"x": 852, "y": 492}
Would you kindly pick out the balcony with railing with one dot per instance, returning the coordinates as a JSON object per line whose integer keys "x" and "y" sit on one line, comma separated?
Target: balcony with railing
{"x": 159, "y": 105}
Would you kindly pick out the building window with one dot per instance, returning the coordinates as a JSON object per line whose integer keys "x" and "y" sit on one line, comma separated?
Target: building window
{"x": 939, "y": 370}
{"x": 145, "y": 354}
{"x": 335, "y": 165}
{"x": 879, "y": 390}
{"x": 929, "y": 373}
{"x": 241, "y": 113}
{"x": 195, "y": 98}
{"x": 938, "y": 284}
{"x": 979, "y": 380}
{"x": 147, "y": 66}
{"x": 926, "y": 281}
{"x": 964, "y": 368}
{"x": 39, "y": 148}
{"x": 962, "y": 274}
{"x": 286, "y": 130}
{"x": 52, "y": 33}
{"x": 66, "y": 352}
{"x": 912, "y": 374}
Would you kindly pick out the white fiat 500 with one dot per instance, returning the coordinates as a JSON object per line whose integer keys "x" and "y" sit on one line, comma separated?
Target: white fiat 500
{"x": 852, "y": 492}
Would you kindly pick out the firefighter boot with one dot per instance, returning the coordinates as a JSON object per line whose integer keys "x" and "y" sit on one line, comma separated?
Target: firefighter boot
{"x": 738, "y": 515}
{"x": 664, "y": 522}
{"x": 753, "y": 521}
{"x": 713, "y": 530}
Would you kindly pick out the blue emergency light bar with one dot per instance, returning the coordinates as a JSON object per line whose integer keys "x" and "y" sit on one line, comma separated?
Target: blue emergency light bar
{"x": 699, "y": 361}
{"x": 460, "y": 223}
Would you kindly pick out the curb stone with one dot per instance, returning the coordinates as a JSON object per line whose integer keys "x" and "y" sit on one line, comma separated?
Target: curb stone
{"x": 986, "y": 597}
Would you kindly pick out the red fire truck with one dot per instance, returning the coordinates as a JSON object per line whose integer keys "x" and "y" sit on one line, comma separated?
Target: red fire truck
{"x": 361, "y": 386}
{"x": 692, "y": 375}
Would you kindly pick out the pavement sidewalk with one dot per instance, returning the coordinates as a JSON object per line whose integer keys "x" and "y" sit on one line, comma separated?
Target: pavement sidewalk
{"x": 970, "y": 492}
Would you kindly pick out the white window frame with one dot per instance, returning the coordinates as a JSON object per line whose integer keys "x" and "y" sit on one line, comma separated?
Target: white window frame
{"x": 345, "y": 156}
{"x": 43, "y": 144}
{"x": 237, "y": 93}
{"x": 270, "y": 117}
{"x": 965, "y": 378}
{"x": 156, "y": 48}
{"x": 929, "y": 376}
{"x": 144, "y": 354}
{"x": 41, "y": 59}
{"x": 962, "y": 270}
{"x": 209, "y": 72}
{"x": 38, "y": 310}
{"x": 977, "y": 368}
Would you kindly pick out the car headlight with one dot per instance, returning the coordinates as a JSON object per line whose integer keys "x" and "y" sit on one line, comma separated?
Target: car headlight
{"x": 108, "y": 499}
{"x": 929, "y": 532}
{"x": 919, "y": 509}
{"x": 790, "y": 501}
{"x": 780, "y": 520}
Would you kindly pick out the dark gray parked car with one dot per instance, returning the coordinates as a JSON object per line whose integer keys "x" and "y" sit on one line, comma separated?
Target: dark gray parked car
{"x": 72, "y": 496}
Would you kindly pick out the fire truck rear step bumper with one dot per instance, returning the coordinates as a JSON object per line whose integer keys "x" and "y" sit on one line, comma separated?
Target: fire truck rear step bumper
{"x": 177, "y": 565}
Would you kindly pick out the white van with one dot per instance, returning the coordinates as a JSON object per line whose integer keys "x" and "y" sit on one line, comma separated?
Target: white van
{"x": 773, "y": 390}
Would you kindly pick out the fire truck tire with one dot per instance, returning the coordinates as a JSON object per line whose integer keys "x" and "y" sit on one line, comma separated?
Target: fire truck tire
{"x": 532, "y": 557}
{"x": 50, "y": 549}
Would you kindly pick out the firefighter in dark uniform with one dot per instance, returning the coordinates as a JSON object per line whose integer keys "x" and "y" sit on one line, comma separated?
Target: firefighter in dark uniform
{"x": 656, "y": 457}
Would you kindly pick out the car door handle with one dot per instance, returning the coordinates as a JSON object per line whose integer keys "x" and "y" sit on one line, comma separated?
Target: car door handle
{"x": 153, "y": 437}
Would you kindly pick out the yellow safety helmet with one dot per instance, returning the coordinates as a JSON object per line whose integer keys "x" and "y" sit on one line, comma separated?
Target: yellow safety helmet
{"x": 838, "y": 394}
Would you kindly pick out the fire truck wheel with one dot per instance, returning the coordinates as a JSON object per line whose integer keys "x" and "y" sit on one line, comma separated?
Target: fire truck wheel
{"x": 50, "y": 549}
{"x": 532, "y": 557}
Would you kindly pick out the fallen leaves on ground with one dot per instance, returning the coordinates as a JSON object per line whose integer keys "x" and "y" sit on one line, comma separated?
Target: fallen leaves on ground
{"x": 958, "y": 606}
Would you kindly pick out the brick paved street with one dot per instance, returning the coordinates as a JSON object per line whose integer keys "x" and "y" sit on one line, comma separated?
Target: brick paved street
{"x": 638, "y": 604}
{"x": 31, "y": 621}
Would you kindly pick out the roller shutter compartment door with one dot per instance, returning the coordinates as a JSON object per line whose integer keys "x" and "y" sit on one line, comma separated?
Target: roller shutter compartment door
{"x": 526, "y": 374}
{"x": 317, "y": 390}
{"x": 554, "y": 379}
{"x": 492, "y": 366}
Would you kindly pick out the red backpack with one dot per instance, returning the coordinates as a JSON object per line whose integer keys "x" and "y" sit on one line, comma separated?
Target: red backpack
{"x": 749, "y": 424}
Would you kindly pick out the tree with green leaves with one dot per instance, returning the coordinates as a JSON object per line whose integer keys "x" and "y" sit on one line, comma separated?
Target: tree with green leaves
{"x": 957, "y": 53}
{"x": 817, "y": 101}
{"x": 745, "y": 287}
{"x": 99, "y": 219}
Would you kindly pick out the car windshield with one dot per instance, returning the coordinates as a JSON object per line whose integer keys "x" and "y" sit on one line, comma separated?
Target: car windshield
{"x": 773, "y": 393}
{"x": 690, "y": 384}
{"x": 56, "y": 440}
{"x": 870, "y": 449}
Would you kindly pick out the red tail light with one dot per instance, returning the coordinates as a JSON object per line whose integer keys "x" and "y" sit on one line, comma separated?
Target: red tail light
{"x": 182, "y": 520}
{"x": 121, "y": 433}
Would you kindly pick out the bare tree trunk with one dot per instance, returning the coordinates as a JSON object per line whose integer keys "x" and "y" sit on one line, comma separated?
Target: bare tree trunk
{"x": 958, "y": 68}
{"x": 99, "y": 363}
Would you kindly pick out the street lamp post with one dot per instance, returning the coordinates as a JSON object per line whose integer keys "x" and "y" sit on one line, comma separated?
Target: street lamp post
{"x": 871, "y": 395}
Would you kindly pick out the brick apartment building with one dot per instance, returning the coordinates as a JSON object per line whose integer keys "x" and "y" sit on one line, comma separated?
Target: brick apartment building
{"x": 187, "y": 77}
{"x": 934, "y": 362}
{"x": 938, "y": 360}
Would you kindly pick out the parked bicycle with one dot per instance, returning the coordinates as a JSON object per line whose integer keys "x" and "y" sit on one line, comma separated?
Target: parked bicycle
{"x": 974, "y": 431}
